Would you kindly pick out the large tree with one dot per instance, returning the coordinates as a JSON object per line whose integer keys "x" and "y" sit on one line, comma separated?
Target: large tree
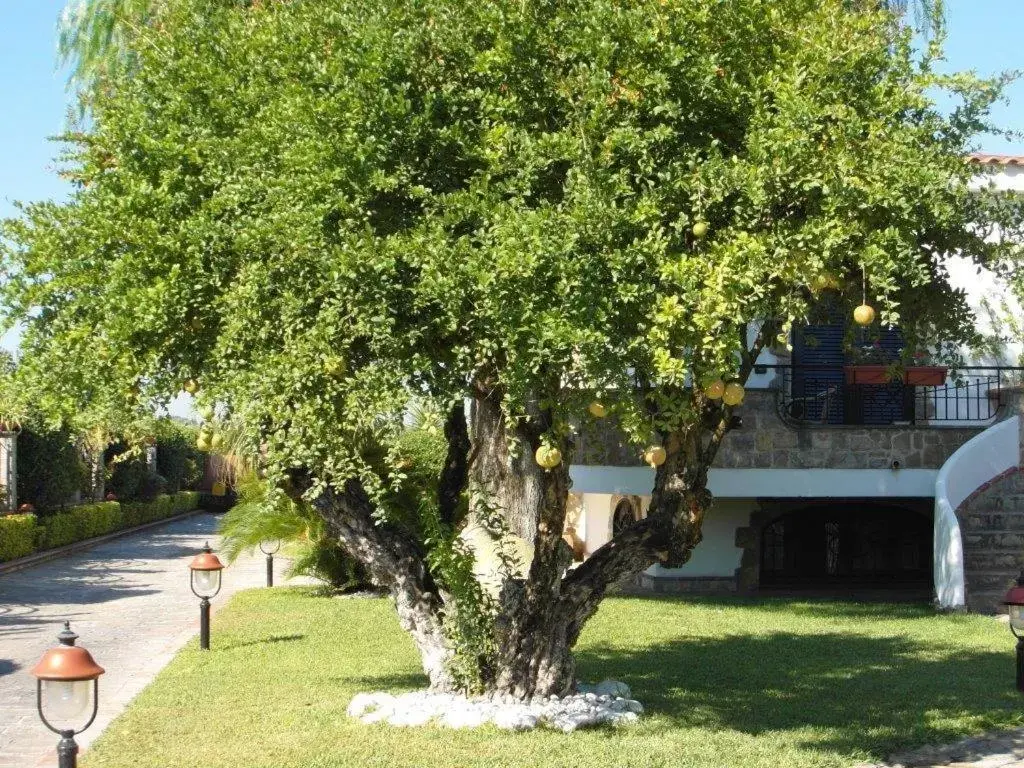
{"x": 321, "y": 212}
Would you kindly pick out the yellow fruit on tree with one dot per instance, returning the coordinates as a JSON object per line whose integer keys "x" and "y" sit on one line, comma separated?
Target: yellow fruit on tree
{"x": 655, "y": 455}
{"x": 700, "y": 229}
{"x": 335, "y": 366}
{"x": 203, "y": 444}
{"x": 733, "y": 394}
{"x": 217, "y": 441}
{"x": 864, "y": 315}
{"x": 714, "y": 389}
{"x": 191, "y": 386}
{"x": 548, "y": 456}
{"x": 597, "y": 410}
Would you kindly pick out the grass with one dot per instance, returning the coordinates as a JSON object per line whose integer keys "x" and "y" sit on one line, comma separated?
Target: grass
{"x": 726, "y": 683}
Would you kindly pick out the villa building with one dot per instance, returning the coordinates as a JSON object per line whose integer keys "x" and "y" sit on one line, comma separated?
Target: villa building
{"x": 840, "y": 482}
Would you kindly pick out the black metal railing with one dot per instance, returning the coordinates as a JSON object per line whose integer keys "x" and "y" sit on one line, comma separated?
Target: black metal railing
{"x": 833, "y": 394}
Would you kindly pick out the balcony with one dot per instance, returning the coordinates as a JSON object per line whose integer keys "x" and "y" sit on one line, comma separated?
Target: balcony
{"x": 832, "y": 395}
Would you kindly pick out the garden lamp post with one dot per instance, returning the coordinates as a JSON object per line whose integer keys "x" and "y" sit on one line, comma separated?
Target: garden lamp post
{"x": 67, "y": 685}
{"x": 270, "y": 548}
{"x": 1014, "y": 602}
{"x": 205, "y": 570}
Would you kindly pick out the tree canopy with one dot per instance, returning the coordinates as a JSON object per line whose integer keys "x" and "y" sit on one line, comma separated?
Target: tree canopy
{"x": 317, "y": 212}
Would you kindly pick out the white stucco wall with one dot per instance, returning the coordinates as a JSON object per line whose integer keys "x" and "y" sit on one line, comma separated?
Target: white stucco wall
{"x": 753, "y": 483}
{"x": 717, "y": 554}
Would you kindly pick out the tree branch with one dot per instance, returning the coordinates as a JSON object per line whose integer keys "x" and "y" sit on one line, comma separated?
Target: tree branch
{"x": 455, "y": 474}
{"x": 748, "y": 358}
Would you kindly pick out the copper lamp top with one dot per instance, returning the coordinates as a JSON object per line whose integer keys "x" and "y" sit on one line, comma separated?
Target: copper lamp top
{"x": 1016, "y": 594}
{"x": 206, "y": 561}
{"x": 67, "y": 662}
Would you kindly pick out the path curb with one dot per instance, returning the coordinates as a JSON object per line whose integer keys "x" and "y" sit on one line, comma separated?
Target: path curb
{"x": 52, "y": 554}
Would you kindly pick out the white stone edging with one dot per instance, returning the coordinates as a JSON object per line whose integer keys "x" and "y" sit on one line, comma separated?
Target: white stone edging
{"x": 608, "y": 702}
{"x": 976, "y": 462}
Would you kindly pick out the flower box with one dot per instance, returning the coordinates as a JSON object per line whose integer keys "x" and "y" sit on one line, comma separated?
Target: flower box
{"x": 925, "y": 375}
{"x": 869, "y": 374}
{"x": 913, "y": 376}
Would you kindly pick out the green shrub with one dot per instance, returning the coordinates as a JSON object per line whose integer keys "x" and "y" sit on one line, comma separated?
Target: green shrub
{"x": 17, "y": 536}
{"x": 97, "y": 519}
{"x": 177, "y": 458}
{"x": 86, "y": 522}
{"x": 127, "y": 472}
{"x": 185, "y": 501}
{"x": 59, "y": 530}
{"x": 50, "y": 469}
{"x": 262, "y": 515}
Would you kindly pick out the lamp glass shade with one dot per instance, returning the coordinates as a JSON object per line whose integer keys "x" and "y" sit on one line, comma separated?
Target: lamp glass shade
{"x": 270, "y": 546}
{"x": 1017, "y": 617}
{"x": 206, "y": 583}
{"x": 66, "y": 702}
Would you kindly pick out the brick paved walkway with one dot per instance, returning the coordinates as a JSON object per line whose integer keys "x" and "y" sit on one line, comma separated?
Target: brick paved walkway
{"x": 130, "y": 602}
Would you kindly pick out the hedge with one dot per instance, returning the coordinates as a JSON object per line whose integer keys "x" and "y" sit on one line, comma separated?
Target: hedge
{"x": 21, "y": 535}
{"x": 17, "y": 536}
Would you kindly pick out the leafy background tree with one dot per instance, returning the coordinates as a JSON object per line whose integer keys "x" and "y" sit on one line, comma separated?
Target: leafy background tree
{"x": 321, "y": 212}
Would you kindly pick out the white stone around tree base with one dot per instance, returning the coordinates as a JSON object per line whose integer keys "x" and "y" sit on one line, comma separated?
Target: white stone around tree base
{"x": 607, "y": 702}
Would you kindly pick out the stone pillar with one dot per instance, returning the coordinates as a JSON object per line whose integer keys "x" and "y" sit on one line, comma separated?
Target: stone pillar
{"x": 8, "y": 471}
{"x": 151, "y": 459}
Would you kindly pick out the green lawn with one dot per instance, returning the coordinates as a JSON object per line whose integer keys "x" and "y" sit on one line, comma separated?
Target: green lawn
{"x": 726, "y": 683}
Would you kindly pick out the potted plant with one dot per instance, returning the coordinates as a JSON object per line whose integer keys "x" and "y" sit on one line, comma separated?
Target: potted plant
{"x": 922, "y": 372}
{"x": 870, "y": 365}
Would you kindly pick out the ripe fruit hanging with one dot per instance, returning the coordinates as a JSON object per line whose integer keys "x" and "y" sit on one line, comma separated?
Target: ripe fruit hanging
{"x": 191, "y": 386}
{"x": 733, "y": 394}
{"x": 548, "y": 456}
{"x": 700, "y": 229}
{"x": 714, "y": 389}
{"x": 864, "y": 314}
{"x": 597, "y": 410}
{"x": 655, "y": 455}
{"x": 335, "y": 366}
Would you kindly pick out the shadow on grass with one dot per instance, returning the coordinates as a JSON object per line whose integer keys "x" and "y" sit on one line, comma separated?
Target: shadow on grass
{"x": 832, "y": 606}
{"x": 265, "y": 641}
{"x": 857, "y": 693}
{"x": 392, "y": 683}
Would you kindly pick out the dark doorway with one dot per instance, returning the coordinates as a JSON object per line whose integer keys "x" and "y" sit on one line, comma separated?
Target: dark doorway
{"x": 839, "y": 547}
{"x": 623, "y": 517}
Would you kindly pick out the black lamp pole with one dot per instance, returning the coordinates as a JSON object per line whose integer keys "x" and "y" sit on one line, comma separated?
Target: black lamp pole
{"x": 205, "y": 579}
{"x": 204, "y": 623}
{"x": 268, "y": 549}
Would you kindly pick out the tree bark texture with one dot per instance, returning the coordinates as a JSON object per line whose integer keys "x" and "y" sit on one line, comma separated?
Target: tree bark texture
{"x": 540, "y": 617}
{"x": 395, "y": 562}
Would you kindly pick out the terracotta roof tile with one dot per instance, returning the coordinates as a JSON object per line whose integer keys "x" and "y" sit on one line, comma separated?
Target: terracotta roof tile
{"x": 986, "y": 159}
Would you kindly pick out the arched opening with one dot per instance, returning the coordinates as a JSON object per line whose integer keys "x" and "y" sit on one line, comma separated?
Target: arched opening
{"x": 840, "y": 547}
{"x": 625, "y": 515}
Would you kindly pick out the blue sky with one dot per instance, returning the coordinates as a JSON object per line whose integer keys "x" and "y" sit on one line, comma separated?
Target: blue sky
{"x": 985, "y": 35}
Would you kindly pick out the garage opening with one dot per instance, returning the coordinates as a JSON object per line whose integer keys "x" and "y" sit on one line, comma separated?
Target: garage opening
{"x": 846, "y": 548}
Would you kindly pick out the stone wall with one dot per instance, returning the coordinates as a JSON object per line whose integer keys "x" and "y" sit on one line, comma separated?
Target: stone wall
{"x": 765, "y": 441}
{"x": 992, "y": 526}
